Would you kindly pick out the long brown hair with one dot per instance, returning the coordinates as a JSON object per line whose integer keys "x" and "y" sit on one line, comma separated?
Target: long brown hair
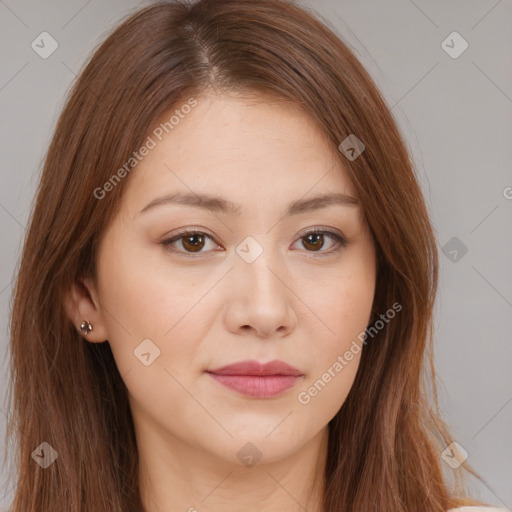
{"x": 385, "y": 441}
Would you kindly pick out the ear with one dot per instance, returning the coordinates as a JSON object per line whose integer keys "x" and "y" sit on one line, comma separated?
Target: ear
{"x": 81, "y": 303}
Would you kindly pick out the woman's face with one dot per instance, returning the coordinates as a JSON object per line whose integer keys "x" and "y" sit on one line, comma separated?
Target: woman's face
{"x": 253, "y": 284}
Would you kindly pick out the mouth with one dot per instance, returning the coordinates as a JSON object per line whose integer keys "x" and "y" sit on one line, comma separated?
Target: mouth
{"x": 258, "y": 380}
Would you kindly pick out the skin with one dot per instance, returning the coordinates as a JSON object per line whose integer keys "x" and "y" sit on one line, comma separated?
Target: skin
{"x": 296, "y": 302}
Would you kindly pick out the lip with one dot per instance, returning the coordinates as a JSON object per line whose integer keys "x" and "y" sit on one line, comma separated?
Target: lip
{"x": 259, "y": 380}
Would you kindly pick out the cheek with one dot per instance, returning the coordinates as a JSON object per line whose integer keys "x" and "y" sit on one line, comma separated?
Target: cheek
{"x": 149, "y": 308}
{"x": 337, "y": 355}
{"x": 140, "y": 294}
{"x": 344, "y": 306}
{"x": 147, "y": 337}
{"x": 343, "y": 301}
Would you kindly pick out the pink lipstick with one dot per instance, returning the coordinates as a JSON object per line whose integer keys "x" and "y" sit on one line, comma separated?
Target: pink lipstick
{"x": 257, "y": 380}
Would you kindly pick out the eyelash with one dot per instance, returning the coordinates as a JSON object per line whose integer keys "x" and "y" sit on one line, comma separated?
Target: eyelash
{"x": 340, "y": 240}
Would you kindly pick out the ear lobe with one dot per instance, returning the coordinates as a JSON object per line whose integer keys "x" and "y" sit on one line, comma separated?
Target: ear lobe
{"x": 81, "y": 304}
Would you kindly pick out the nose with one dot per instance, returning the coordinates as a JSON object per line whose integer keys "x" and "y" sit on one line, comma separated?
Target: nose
{"x": 261, "y": 300}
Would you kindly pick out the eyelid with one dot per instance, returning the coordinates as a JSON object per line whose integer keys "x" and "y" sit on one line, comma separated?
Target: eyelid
{"x": 321, "y": 229}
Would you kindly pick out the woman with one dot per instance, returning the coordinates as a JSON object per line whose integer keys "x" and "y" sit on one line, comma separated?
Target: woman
{"x": 225, "y": 295}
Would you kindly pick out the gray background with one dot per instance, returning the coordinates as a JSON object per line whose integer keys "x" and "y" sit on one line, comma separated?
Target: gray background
{"x": 455, "y": 114}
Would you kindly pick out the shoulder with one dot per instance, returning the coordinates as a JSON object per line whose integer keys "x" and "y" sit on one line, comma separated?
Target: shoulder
{"x": 476, "y": 509}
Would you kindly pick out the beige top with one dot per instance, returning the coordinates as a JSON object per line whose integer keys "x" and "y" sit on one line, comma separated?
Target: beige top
{"x": 477, "y": 509}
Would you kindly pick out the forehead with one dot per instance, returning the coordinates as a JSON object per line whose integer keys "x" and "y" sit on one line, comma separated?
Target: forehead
{"x": 253, "y": 148}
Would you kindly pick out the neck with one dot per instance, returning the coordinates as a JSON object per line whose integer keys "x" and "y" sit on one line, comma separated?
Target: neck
{"x": 176, "y": 477}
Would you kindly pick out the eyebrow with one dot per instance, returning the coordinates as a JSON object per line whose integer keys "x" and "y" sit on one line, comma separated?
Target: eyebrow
{"x": 222, "y": 205}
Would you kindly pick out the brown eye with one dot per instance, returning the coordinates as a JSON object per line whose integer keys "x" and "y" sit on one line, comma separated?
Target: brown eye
{"x": 314, "y": 241}
{"x": 194, "y": 242}
{"x": 188, "y": 242}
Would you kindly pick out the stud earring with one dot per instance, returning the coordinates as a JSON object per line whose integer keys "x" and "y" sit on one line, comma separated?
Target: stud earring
{"x": 85, "y": 327}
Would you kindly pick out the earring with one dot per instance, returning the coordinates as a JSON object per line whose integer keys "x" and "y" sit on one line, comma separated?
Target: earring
{"x": 85, "y": 327}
